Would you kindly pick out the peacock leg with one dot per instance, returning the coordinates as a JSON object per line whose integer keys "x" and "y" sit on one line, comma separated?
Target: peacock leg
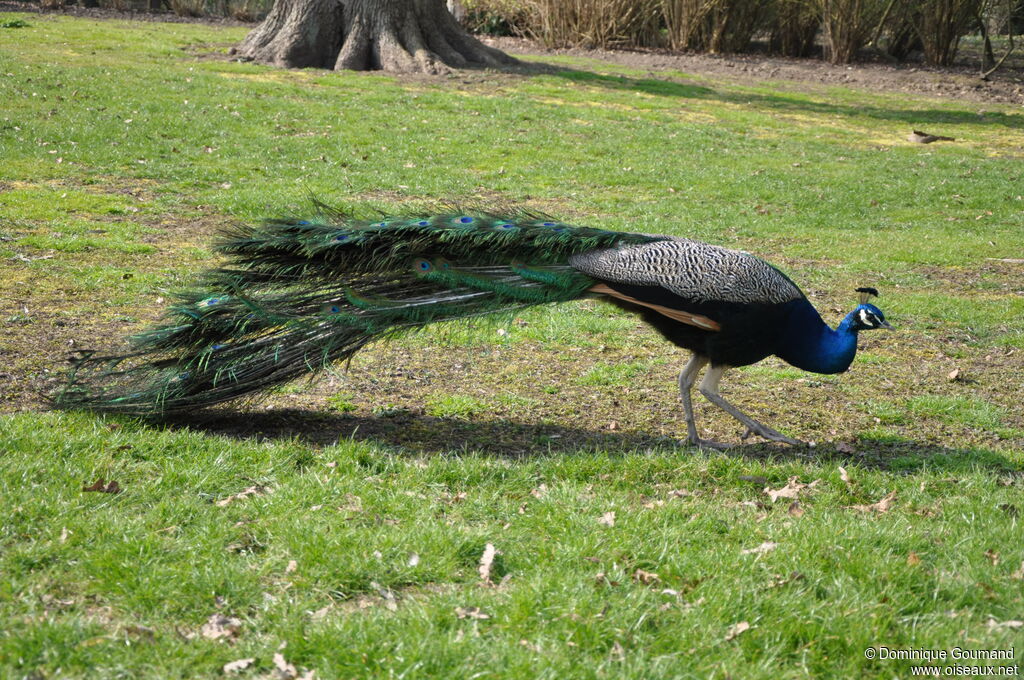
{"x": 709, "y": 388}
{"x": 687, "y": 377}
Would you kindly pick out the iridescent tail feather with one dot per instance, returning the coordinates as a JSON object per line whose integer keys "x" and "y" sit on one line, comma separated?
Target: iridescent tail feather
{"x": 296, "y": 296}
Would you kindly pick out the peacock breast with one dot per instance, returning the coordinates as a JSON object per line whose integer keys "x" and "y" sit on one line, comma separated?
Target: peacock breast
{"x": 749, "y": 332}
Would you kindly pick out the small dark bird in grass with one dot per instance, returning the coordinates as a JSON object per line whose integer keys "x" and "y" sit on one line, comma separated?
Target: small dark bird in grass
{"x": 925, "y": 138}
{"x": 295, "y": 296}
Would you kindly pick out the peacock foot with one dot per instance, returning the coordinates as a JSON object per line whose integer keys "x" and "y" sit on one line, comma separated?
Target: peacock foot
{"x": 768, "y": 433}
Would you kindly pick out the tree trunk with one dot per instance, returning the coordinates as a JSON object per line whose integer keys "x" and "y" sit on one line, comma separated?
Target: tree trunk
{"x": 362, "y": 35}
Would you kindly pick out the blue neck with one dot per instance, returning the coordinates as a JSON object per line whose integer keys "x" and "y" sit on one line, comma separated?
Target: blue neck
{"x": 809, "y": 343}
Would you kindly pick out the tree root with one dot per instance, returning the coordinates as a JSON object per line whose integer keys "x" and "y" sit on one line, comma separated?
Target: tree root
{"x": 405, "y": 36}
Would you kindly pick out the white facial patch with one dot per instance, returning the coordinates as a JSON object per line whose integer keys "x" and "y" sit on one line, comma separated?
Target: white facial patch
{"x": 864, "y": 319}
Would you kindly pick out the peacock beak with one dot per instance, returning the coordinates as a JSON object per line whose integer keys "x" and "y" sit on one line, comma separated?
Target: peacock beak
{"x": 887, "y": 326}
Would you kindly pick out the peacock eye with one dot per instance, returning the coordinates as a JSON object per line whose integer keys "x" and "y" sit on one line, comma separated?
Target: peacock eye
{"x": 466, "y": 220}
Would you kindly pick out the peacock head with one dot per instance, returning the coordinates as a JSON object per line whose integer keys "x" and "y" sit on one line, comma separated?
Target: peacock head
{"x": 868, "y": 317}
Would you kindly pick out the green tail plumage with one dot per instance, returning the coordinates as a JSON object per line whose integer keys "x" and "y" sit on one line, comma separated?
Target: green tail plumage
{"x": 296, "y": 296}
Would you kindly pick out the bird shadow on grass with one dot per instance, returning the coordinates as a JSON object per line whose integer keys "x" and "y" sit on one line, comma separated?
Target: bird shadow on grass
{"x": 412, "y": 434}
{"x": 781, "y": 100}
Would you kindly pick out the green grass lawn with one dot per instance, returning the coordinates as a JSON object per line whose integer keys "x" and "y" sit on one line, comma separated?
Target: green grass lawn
{"x": 340, "y": 525}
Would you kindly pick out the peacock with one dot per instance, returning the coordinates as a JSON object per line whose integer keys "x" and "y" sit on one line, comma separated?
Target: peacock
{"x": 297, "y": 295}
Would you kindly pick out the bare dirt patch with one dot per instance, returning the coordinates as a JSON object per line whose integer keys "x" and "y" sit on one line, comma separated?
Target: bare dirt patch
{"x": 43, "y": 317}
{"x": 959, "y": 82}
{"x": 538, "y": 406}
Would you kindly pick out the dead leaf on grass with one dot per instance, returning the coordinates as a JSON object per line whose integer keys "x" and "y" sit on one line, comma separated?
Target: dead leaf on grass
{"x": 1019, "y": 574}
{"x": 238, "y": 666}
{"x": 880, "y": 507}
{"x": 845, "y": 476}
{"x": 992, "y": 556}
{"x": 292, "y": 566}
{"x": 486, "y": 562}
{"x": 795, "y": 509}
{"x": 913, "y": 559}
{"x": 321, "y": 613}
{"x": 679, "y": 493}
{"x": 284, "y": 669}
{"x": 993, "y": 624}
{"x": 353, "y": 503}
{"x": 540, "y": 491}
{"x": 51, "y": 602}
{"x": 100, "y": 486}
{"x": 736, "y": 630}
{"x": 645, "y": 577}
{"x": 287, "y": 671}
{"x": 254, "y": 490}
{"x": 471, "y": 613}
{"x": 607, "y": 519}
{"x": 792, "y": 489}
{"x": 767, "y": 546}
{"x": 220, "y": 627}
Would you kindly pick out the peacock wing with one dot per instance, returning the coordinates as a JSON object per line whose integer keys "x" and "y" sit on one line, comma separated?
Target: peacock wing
{"x": 684, "y": 279}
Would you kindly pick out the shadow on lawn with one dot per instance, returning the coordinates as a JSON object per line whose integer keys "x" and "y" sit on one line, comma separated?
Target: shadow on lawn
{"x": 417, "y": 434}
{"x": 784, "y": 102}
